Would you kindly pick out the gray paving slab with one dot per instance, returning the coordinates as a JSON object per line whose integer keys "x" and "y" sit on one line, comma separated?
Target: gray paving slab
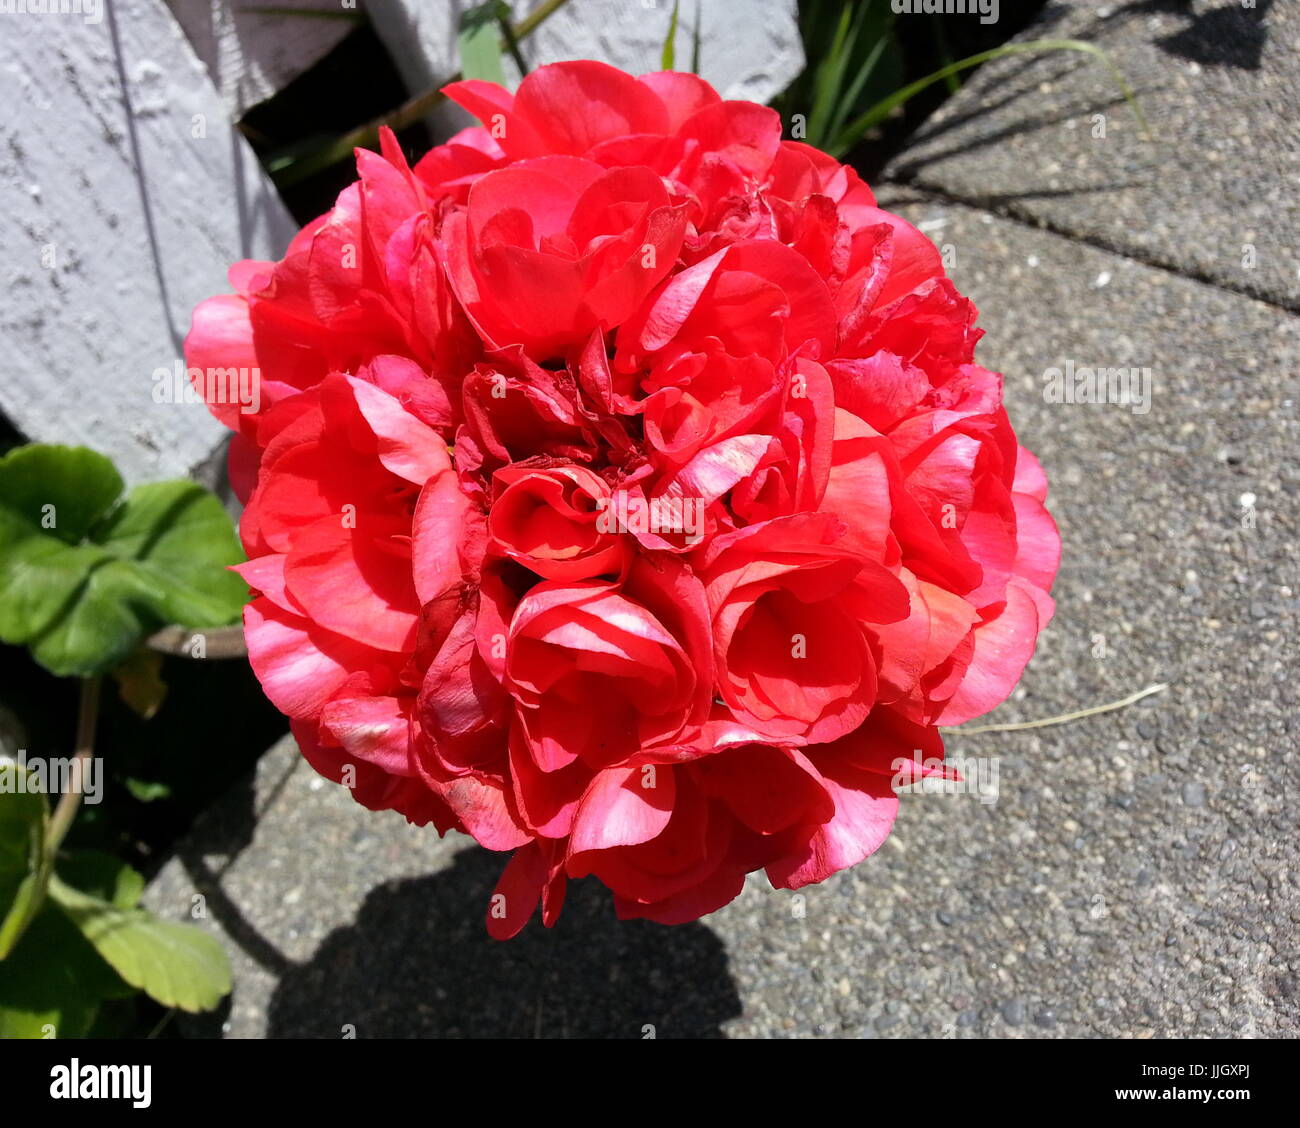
{"x": 1214, "y": 193}
{"x": 1138, "y": 874}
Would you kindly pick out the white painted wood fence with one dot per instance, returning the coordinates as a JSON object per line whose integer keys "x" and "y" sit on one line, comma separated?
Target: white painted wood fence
{"x": 125, "y": 191}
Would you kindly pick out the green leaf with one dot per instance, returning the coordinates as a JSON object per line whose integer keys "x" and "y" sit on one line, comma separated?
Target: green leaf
{"x": 147, "y": 790}
{"x": 181, "y": 540}
{"x": 54, "y": 976}
{"x": 480, "y": 43}
{"x": 829, "y": 80}
{"x": 669, "y": 53}
{"x": 54, "y": 981}
{"x": 22, "y": 852}
{"x": 99, "y": 625}
{"x": 158, "y": 558}
{"x": 62, "y": 490}
{"x": 178, "y": 965}
{"x": 103, "y": 876}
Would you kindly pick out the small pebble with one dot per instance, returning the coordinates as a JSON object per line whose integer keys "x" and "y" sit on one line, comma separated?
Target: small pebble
{"x": 1013, "y": 1012}
{"x": 1194, "y": 793}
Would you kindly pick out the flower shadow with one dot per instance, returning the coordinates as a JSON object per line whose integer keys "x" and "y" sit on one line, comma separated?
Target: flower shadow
{"x": 418, "y": 963}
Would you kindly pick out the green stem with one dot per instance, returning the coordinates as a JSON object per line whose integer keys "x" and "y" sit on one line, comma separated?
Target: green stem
{"x": 56, "y": 828}
{"x": 511, "y": 40}
{"x": 70, "y": 801}
{"x": 531, "y": 22}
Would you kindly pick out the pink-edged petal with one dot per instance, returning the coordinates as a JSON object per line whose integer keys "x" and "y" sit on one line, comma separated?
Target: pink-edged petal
{"x": 299, "y": 668}
{"x": 265, "y": 574}
{"x": 479, "y": 802}
{"x": 574, "y": 106}
{"x": 699, "y": 899}
{"x": 620, "y": 809}
{"x": 443, "y": 528}
{"x": 683, "y": 94}
{"x": 744, "y": 133}
{"x": 1038, "y": 543}
{"x": 221, "y": 336}
{"x": 1030, "y": 478}
{"x": 494, "y": 106}
{"x": 406, "y": 446}
{"x": 356, "y": 581}
{"x": 373, "y": 729}
{"x": 1003, "y": 647}
{"x": 865, "y": 809}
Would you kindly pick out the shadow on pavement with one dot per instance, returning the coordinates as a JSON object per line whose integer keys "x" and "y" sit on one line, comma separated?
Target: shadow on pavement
{"x": 418, "y": 963}
{"x": 1231, "y": 35}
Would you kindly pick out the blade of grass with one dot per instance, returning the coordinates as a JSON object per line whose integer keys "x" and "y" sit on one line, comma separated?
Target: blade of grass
{"x": 846, "y": 103}
{"x": 829, "y": 79}
{"x": 1066, "y": 718}
{"x": 882, "y": 109}
{"x": 695, "y": 41}
{"x": 669, "y": 54}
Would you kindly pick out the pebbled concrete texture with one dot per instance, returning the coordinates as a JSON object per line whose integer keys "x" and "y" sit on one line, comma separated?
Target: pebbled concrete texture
{"x": 1138, "y": 874}
{"x": 342, "y": 922}
{"x": 1219, "y": 175}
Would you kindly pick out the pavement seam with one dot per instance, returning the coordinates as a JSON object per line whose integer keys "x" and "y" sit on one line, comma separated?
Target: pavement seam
{"x": 1037, "y": 223}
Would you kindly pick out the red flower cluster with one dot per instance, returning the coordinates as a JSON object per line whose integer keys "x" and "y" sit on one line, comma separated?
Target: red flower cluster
{"x": 624, "y": 493}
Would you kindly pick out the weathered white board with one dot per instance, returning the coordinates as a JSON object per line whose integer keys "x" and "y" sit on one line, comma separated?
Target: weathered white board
{"x": 250, "y": 52}
{"x": 125, "y": 192}
{"x": 124, "y": 195}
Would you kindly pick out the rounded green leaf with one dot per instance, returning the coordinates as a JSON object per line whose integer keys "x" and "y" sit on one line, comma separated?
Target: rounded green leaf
{"x": 181, "y": 541}
{"x": 176, "y": 964}
{"x": 59, "y": 490}
{"x": 82, "y": 581}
